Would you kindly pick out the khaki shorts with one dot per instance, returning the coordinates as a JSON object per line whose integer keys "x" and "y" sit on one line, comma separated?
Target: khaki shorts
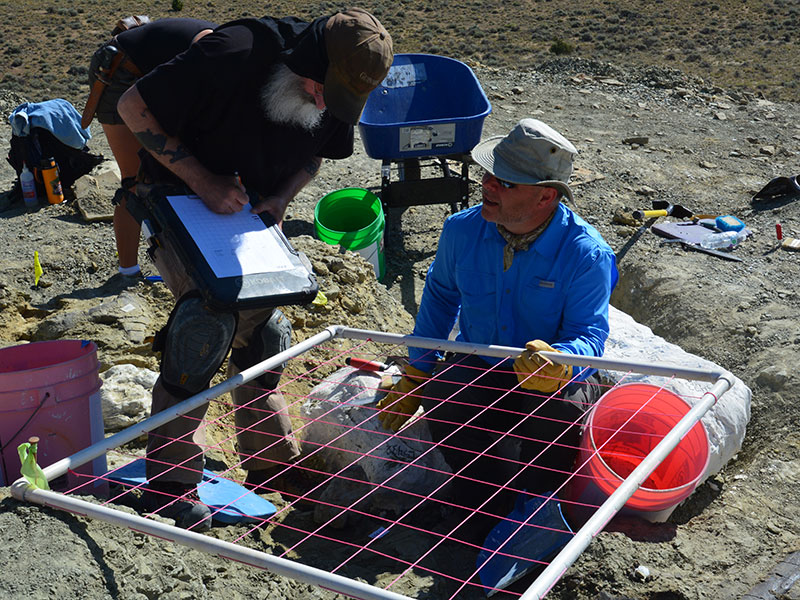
{"x": 122, "y": 79}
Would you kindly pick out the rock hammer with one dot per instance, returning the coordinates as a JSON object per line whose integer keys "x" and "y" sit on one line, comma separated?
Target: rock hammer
{"x": 662, "y": 208}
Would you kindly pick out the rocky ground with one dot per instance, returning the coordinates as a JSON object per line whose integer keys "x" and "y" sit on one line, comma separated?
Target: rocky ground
{"x": 644, "y": 134}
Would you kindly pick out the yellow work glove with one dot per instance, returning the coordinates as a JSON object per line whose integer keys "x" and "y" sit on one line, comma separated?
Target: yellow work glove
{"x": 549, "y": 377}
{"x": 399, "y": 404}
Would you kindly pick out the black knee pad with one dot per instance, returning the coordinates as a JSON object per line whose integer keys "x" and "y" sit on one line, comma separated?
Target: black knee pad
{"x": 125, "y": 191}
{"x": 271, "y": 337}
{"x": 194, "y": 343}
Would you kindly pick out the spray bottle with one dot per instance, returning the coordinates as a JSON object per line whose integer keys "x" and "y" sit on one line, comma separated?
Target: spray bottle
{"x": 26, "y": 181}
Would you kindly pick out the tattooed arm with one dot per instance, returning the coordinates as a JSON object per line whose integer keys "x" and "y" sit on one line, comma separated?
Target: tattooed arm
{"x": 221, "y": 193}
{"x": 277, "y": 202}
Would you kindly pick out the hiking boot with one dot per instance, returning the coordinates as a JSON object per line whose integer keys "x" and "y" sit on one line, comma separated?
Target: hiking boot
{"x": 178, "y": 501}
{"x": 118, "y": 282}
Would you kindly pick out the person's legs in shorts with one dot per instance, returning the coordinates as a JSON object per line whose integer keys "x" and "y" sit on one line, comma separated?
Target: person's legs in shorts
{"x": 125, "y": 147}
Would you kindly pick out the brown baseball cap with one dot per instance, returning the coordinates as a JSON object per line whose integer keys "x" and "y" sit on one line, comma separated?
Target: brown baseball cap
{"x": 359, "y": 57}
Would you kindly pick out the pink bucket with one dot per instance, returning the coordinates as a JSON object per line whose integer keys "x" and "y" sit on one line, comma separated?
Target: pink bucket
{"x": 51, "y": 390}
{"x": 623, "y": 427}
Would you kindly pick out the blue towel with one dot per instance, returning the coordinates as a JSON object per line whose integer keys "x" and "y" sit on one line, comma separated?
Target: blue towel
{"x": 57, "y": 116}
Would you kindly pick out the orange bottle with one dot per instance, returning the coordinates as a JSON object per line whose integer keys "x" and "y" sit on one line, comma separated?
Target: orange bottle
{"x": 52, "y": 181}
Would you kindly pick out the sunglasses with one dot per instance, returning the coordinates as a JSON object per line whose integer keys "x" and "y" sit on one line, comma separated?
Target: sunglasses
{"x": 506, "y": 184}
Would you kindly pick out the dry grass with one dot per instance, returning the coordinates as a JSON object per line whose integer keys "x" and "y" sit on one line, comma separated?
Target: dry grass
{"x": 747, "y": 46}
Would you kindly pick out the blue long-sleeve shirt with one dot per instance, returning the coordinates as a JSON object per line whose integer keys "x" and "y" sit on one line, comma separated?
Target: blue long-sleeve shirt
{"x": 556, "y": 291}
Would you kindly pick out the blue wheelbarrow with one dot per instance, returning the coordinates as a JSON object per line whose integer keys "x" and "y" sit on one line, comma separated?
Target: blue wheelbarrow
{"x": 427, "y": 112}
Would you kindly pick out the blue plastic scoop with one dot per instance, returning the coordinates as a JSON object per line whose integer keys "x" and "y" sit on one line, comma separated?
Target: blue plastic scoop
{"x": 229, "y": 502}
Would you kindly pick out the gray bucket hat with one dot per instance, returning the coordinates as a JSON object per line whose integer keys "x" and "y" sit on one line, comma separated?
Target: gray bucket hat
{"x": 531, "y": 154}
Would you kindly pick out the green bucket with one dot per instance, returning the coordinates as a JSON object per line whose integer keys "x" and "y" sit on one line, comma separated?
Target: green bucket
{"x": 353, "y": 219}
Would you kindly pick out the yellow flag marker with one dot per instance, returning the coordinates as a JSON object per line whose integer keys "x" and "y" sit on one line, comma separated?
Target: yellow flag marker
{"x": 320, "y": 299}
{"x": 29, "y": 469}
{"x": 37, "y": 268}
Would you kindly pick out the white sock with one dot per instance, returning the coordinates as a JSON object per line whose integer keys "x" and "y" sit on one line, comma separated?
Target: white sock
{"x": 134, "y": 270}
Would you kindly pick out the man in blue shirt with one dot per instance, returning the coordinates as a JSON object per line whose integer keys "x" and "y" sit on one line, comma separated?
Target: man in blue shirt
{"x": 523, "y": 270}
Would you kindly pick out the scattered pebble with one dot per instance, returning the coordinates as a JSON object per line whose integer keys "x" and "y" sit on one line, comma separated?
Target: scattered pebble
{"x": 642, "y": 573}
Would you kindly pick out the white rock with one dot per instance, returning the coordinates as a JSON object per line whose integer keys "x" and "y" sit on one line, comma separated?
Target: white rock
{"x": 103, "y": 180}
{"x": 341, "y": 418}
{"x": 726, "y": 421}
{"x": 126, "y": 395}
{"x": 107, "y": 174}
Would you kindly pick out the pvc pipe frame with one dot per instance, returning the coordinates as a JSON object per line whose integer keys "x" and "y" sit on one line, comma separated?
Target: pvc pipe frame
{"x": 23, "y": 491}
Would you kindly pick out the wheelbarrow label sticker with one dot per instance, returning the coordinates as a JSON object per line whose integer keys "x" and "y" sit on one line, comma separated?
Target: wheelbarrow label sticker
{"x": 405, "y": 76}
{"x": 426, "y": 137}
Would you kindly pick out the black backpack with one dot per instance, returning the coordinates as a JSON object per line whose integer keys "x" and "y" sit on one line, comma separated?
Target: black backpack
{"x": 40, "y": 144}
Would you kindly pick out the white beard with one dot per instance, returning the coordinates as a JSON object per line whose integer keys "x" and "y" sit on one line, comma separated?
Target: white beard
{"x": 286, "y": 102}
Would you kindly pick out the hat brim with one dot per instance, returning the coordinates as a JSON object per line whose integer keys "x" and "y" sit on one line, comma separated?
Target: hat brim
{"x": 483, "y": 154}
{"x": 340, "y": 101}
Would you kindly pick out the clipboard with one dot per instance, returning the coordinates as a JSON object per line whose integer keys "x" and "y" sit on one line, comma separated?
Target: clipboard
{"x": 238, "y": 262}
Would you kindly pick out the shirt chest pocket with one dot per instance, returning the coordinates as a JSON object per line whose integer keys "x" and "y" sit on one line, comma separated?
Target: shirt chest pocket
{"x": 543, "y": 298}
{"x": 478, "y": 294}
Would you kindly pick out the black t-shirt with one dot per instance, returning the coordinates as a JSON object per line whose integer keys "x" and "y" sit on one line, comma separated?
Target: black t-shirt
{"x": 210, "y": 98}
{"x": 159, "y": 41}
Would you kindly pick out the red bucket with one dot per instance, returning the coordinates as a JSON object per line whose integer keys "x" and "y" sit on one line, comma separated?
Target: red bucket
{"x": 50, "y": 390}
{"x": 623, "y": 427}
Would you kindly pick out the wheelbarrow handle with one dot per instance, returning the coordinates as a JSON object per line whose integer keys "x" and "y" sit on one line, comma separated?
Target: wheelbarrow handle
{"x": 649, "y": 214}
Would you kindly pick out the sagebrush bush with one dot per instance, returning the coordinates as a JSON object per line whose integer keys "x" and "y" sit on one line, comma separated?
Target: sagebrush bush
{"x": 559, "y": 47}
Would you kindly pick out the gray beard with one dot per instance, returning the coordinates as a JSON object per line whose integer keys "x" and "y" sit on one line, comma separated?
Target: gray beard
{"x": 284, "y": 101}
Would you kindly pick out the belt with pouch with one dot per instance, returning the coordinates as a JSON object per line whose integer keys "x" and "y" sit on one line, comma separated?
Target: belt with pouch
{"x": 113, "y": 59}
